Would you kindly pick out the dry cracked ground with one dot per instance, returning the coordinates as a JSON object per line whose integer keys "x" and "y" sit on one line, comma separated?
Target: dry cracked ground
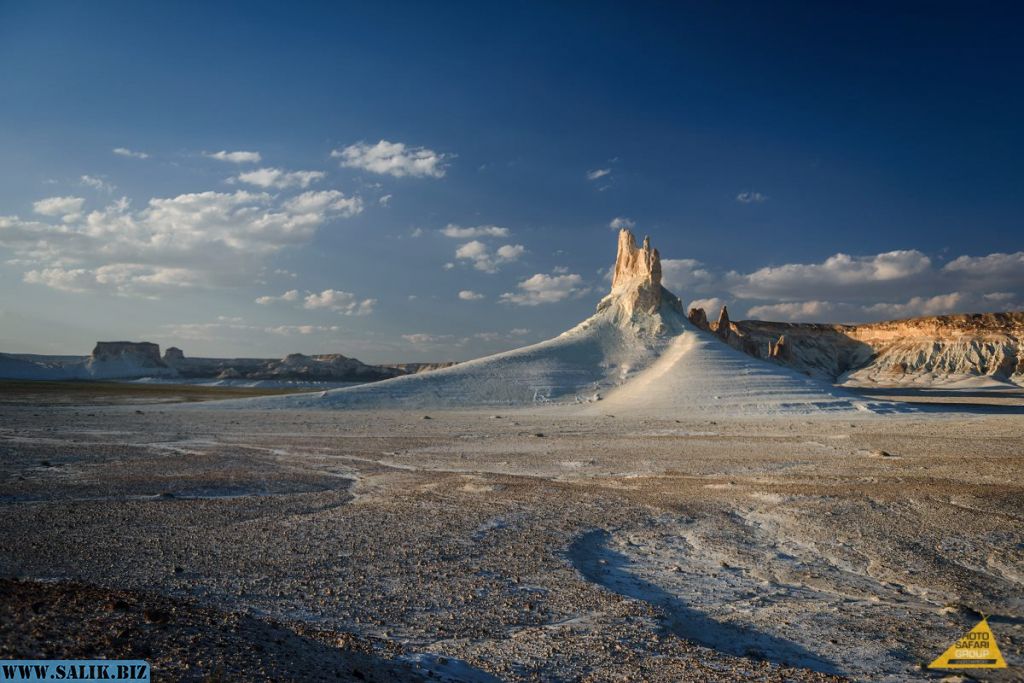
{"x": 233, "y": 545}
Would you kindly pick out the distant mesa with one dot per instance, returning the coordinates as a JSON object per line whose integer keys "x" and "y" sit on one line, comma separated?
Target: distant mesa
{"x": 143, "y": 354}
{"x": 134, "y": 360}
{"x": 173, "y": 355}
{"x": 294, "y": 367}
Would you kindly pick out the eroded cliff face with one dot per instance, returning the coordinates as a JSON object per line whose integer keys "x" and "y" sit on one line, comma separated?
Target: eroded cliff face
{"x": 923, "y": 351}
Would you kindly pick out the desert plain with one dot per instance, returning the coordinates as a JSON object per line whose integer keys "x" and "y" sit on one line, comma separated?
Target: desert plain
{"x": 500, "y": 544}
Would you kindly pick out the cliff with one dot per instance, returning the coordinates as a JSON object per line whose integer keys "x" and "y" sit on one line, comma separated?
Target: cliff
{"x": 923, "y": 351}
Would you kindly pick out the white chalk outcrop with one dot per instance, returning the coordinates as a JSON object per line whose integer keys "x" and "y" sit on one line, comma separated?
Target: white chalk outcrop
{"x": 123, "y": 359}
{"x": 636, "y": 354}
{"x": 109, "y": 360}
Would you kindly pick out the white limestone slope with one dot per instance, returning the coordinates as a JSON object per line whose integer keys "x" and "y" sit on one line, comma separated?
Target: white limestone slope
{"x": 638, "y": 354}
{"x": 577, "y": 366}
{"x": 700, "y": 375}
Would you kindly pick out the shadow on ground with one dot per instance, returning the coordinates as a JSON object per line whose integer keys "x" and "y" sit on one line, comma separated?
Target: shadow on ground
{"x": 598, "y": 563}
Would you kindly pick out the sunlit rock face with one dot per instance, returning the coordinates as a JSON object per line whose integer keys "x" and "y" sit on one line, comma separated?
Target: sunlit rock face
{"x": 636, "y": 278}
{"x": 929, "y": 351}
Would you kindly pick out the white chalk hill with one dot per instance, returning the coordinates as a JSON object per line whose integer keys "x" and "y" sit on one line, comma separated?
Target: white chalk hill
{"x": 637, "y": 354}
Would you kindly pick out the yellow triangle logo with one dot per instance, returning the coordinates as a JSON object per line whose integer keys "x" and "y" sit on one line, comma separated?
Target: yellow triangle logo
{"x": 975, "y": 650}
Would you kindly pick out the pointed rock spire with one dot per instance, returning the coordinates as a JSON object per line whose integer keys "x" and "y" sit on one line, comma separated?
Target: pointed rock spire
{"x": 636, "y": 280}
{"x": 723, "y": 328}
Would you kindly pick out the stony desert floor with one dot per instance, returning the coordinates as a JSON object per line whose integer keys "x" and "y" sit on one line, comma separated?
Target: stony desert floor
{"x": 508, "y": 545}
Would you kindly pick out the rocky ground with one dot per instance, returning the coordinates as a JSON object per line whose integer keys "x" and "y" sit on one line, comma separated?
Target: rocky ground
{"x": 511, "y": 546}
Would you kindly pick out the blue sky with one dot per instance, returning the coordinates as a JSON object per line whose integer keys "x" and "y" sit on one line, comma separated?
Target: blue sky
{"x": 803, "y": 161}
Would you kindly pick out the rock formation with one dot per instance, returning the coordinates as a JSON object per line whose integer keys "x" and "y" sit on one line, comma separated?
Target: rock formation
{"x": 636, "y": 278}
{"x": 637, "y": 296}
{"x": 924, "y": 351}
{"x": 130, "y": 360}
{"x": 143, "y": 354}
{"x": 779, "y": 351}
{"x": 722, "y": 327}
{"x": 331, "y": 367}
{"x": 173, "y": 355}
{"x": 699, "y": 318}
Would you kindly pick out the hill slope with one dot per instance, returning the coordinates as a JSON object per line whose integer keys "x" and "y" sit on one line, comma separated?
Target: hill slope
{"x": 698, "y": 374}
{"x": 638, "y": 348}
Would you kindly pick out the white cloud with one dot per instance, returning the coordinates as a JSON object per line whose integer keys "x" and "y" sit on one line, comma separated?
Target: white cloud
{"x": 836, "y": 274}
{"x": 422, "y": 338}
{"x": 125, "y": 152}
{"x": 470, "y": 295}
{"x": 384, "y": 200}
{"x": 290, "y": 295}
{"x": 319, "y": 202}
{"x": 235, "y": 157}
{"x": 999, "y": 263}
{"x": 796, "y": 311}
{"x": 335, "y": 300}
{"x": 685, "y": 276}
{"x": 66, "y": 207}
{"x": 235, "y": 330}
{"x": 280, "y": 179}
{"x": 546, "y": 289}
{"x": 471, "y": 250}
{"x": 751, "y": 197}
{"x": 120, "y": 277}
{"x": 954, "y": 302}
{"x": 711, "y": 305}
{"x": 288, "y": 330}
{"x": 97, "y": 183}
{"x": 206, "y": 239}
{"x": 620, "y": 222}
{"x": 598, "y": 173}
{"x": 839, "y": 311}
{"x": 510, "y": 252}
{"x": 67, "y": 280}
{"x": 458, "y": 232}
{"x": 393, "y": 158}
{"x": 484, "y": 260}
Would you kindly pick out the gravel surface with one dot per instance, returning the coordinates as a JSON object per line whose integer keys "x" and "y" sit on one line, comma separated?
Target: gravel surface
{"x": 509, "y": 546}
